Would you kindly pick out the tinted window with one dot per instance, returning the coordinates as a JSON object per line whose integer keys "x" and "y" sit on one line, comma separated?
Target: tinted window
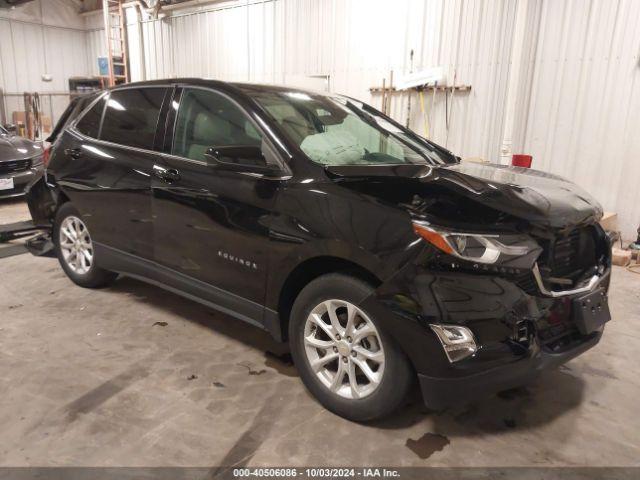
{"x": 132, "y": 116}
{"x": 89, "y": 125}
{"x": 207, "y": 119}
{"x": 73, "y": 110}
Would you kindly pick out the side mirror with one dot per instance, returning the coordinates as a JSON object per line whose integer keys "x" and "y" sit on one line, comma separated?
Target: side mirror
{"x": 242, "y": 158}
{"x": 11, "y": 128}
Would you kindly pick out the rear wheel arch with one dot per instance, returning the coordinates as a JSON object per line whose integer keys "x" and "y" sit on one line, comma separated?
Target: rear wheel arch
{"x": 93, "y": 277}
{"x": 62, "y": 198}
{"x": 309, "y": 270}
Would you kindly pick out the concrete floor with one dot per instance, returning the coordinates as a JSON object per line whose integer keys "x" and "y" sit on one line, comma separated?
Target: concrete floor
{"x": 135, "y": 376}
{"x": 13, "y": 210}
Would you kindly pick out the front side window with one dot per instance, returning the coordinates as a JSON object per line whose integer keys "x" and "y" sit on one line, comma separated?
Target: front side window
{"x": 89, "y": 124}
{"x": 207, "y": 119}
{"x": 131, "y": 116}
{"x": 333, "y": 130}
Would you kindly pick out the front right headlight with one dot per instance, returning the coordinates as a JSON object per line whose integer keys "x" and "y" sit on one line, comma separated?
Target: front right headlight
{"x": 487, "y": 248}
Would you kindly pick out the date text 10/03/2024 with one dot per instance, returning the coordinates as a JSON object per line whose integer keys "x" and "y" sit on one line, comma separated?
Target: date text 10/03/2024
{"x": 322, "y": 472}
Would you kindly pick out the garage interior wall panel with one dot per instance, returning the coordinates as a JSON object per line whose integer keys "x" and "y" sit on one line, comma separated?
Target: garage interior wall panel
{"x": 96, "y": 44}
{"x": 41, "y": 37}
{"x": 577, "y": 98}
{"x": 583, "y": 113}
{"x": 284, "y": 41}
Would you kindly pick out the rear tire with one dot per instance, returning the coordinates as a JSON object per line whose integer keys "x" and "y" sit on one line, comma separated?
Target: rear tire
{"x": 359, "y": 372}
{"x": 75, "y": 251}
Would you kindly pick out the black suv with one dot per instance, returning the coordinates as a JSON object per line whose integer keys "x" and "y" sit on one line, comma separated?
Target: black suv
{"x": 375, "y": 253}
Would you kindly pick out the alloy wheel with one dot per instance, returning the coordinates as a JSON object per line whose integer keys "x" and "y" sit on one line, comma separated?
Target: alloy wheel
{"x": 344, "y": 349}
{"x": 75, "y": 244}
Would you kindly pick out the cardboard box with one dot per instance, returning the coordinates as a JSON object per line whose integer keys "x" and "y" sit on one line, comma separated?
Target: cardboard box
{"x": 609, "y": 221}
{"x": 620, "y": 257}
{"x": 46, "y": 123}
{"x": 19, "y": 117}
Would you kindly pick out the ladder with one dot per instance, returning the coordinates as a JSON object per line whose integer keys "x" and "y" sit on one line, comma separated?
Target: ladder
{"x": 115, "y": 29}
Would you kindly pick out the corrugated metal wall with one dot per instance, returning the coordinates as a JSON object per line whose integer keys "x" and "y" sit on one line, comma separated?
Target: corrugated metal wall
{"x": 356, "y": 43}
{"x": 37, "y": 38}
{"x": 578, "y": 94}
{"x": 582, "y": 114}
{"x": 96, "y": 41}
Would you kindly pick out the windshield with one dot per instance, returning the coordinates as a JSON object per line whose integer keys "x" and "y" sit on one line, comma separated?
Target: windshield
{"x": 334, "y": 130}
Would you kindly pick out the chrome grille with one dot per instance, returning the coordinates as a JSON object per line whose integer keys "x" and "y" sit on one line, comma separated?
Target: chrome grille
{"x": 14, "y": 166}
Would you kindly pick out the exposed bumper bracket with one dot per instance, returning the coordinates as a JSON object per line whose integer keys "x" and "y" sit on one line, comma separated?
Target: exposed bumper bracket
{"x": 590, "y": 285}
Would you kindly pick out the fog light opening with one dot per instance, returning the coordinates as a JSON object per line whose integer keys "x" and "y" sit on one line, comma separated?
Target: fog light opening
{"x": 458, "y": 342}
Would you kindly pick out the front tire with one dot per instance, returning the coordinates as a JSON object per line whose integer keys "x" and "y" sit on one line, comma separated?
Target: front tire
{"x": 75, "y": 251}
{"x": 345, "y": 359}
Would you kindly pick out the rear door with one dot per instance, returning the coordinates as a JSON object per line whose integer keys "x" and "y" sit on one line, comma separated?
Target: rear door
{"x": 110, "y": 157}
{"x": 212, "y": 225}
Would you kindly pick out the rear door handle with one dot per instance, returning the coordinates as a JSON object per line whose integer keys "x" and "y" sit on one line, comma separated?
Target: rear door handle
{"x": 169, "y": 175}
{"x": 73, "y": 152}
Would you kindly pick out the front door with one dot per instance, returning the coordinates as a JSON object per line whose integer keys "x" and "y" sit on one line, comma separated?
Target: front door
{"x": 211, "y": 225}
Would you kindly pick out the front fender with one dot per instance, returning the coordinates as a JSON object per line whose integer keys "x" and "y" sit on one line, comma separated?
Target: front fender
{"x": 283, "y": 267}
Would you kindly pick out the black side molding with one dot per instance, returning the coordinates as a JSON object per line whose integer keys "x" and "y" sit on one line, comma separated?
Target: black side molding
{"x": 188, "y": 287}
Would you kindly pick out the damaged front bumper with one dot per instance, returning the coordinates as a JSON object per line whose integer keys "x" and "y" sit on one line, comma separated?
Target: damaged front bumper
{"x": 441, "y": 392}
{"x": 518, "y": 333}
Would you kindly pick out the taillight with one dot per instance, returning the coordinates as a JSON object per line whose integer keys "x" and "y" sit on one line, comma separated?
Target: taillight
{"x": 45, "y": 156}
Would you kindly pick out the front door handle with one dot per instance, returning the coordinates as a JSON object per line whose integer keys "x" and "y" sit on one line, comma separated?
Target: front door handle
{"x": 167, "y": 175}
{"x": 73, "y": 152}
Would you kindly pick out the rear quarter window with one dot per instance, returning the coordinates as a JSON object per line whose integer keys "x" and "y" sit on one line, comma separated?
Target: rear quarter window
{"x": 131, "y": 116}
{"x": 89, "y": 124}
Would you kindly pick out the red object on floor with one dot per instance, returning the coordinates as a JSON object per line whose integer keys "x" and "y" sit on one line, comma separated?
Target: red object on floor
{"x": 521, "y": 160}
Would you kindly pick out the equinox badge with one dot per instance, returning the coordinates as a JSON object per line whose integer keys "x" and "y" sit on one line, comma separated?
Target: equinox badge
{"x": 241, "y": 261}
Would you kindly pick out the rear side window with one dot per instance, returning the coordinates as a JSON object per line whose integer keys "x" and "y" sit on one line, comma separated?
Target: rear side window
{"x": 89, "y": 124}
{"x": 73, "y": 110}
{"x": 131, "y": 117}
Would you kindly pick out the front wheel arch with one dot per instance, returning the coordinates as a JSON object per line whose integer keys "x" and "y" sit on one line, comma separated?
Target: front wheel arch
{"x": 309, "y": 270}
{"x": 398, "y": 376}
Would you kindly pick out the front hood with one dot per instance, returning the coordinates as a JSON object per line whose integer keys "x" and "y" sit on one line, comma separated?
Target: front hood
{"x": 17, "y": 148}
{"x": 541, "y": 198}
